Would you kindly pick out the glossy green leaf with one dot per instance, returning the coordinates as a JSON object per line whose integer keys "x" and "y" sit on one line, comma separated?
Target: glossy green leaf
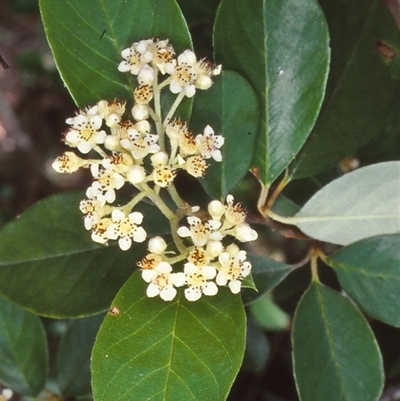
{"x": 50, "y": 265}
{"x": 23, "y": 359}
{"x": 87, "y": 38}
{"x": 369, "y": 271}
{"x": 168, "y": 351}
{"x": 281, "y": 48}
{"x": 335, "y": 354}
{"x": 73, "y": 356}
{"x": 234, "y": 117}
{"x": 360, "y": 204}
{"x": 361, "y": 83}
{"x": 267, "y": 274}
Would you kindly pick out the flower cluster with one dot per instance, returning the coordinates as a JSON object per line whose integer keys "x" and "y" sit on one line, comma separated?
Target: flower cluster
{"x": 146, "y": 151}
{"x": 208, "y": 263}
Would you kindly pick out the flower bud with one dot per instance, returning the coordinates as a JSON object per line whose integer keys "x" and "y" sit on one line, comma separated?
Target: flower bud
{"x": 157, "y": 245}
{"x": 216, "y": 209}
{"x": 139, "y": 112}
{"x": 136, "y": 174}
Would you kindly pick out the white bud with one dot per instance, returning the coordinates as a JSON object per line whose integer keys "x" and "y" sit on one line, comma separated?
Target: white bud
{"x": 143, "y": 127}
{"x": 159, "y": 159}
{"x": 139, "y": 112}
{"x": 111, "y": 142}
{"x": 136, "y": 174}
{"x": 214, "y": 248}
{"x": 203, "y": 82}
{"x": 244, "y": 233}
{"x": 112, "y": 120}
{"x": 157, "y": 245}
{"x": 146, "y": 75}
{"x": 216, "y": 209}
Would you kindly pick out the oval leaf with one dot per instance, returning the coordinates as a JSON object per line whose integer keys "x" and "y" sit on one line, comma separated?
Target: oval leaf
{"x": 361, "y": 83}
{"x": 50, "y": 266}
{"x": 281, "y": 48}
{"x": 173, "y": 351}
{"x": 335, "y": 354}
{"x": 358, "y": 205}
{"x": 267, "y": 274}
{"x": 86, "y": 39}
{"x": 23, "y": 365}
{"x": 236, "y": 119}
{"x": 369, "y": 271}
{"x": 73, "y": 356}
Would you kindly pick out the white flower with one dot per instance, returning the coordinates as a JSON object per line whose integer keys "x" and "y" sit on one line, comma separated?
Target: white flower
{"x": 161, "y": 281}
{"x": 184, "y": 74}
{"x": 126, "y": 228}
{"x": 198, "y": 281}
{"x": 235, "y": 214}
{"x": 208, "y": 144}
{"x": 196, "y": 166}
{"x": 99, "y": 231}
{"x": 163, "y": 57}
{"x": 234, "y": 268}
{"x": 94, "y": 211}
{"x": 85, "y": 133}
{"x": 140, "y": 145}
{"x": 143, "y": 95}
{"x": 136, "y": 56}
{"x": 150, "y": 261}
{"x": 107, "y": 181}
{"x": 118, "y": 162}
{"x": 69, "y": 162}
{"x": 163, "y": 176}
{"x": 111, "y": 111}
{"x": 199, "y": 257}
{"x": 201, "y": 232}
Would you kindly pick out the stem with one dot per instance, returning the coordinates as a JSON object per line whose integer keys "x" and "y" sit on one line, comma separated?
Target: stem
{"x": 129, "y": 206}
{"x": 281, "y": 219}
{"x": 278, "y": 190}
{"x": 158, "y": 117}
{"x": 179, "y": 202}
{"x": 174, "y": 107}
{"x": 165, "y": 83}
{"x": 166, "y": 211}
{"x": 314, "y": 264}
{"x": 262, "y": 199}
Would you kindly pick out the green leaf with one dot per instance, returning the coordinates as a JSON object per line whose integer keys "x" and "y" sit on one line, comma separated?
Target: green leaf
{"x": 369, "y": 271}
{"x": 73, "y": 356}
{"x": 86, "y": 39}
{"x": 50, "y": 265}
{"x": 281, "y": 48}
{"x": 335, "y": 354}
{"x": 23, "y": 365}
{"x": 268, "y": 314}
{"x": 358, "y": 205}
{"x": 267, "y": 274}
{"x": 234, "y": 117}
{"x": 168, "y": 351}
{"x": 361, "y": 83}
